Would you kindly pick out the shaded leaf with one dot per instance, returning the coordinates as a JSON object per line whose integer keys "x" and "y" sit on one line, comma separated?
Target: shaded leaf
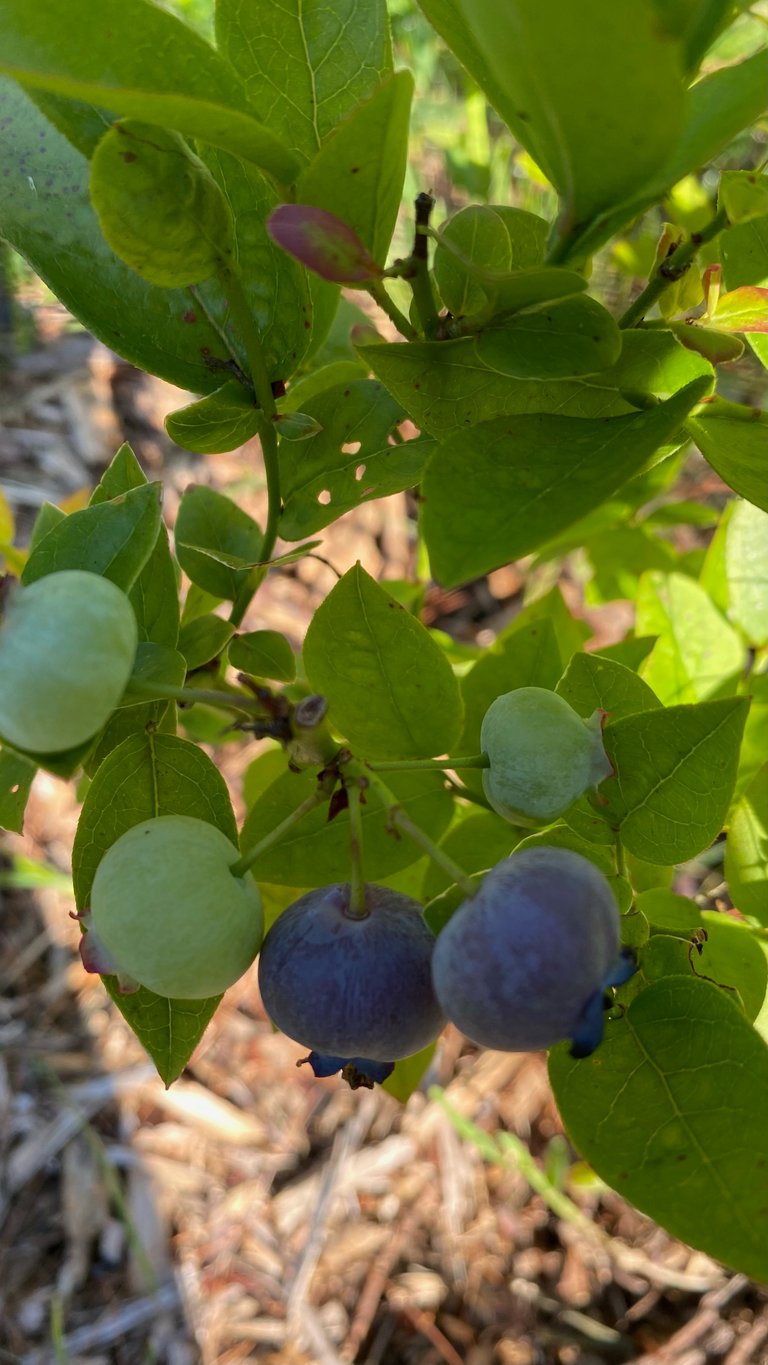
{"x": 670, "y": 1113}
{"x": 113, "y": 539}
{"x": 746, "y": 850}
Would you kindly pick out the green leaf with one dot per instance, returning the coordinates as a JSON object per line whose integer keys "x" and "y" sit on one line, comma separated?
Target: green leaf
{"x": 591, "y": 683}
{"x": 158, "y": 206}
{"x": 476, "y": 843}
{"x": 350, "y": 460}
{"x": 16, "y": 775}
{"x": 153, "y": 664}
{"x": 161, "y": 331}
{"x": 149, "y": 775}
{"x": 654, "y": 362}
{"x": 675, "y": 772}
{"x": 566, "y": 81}
{"x": 718, "y": 107}
{"x": 316, "y": 853}
{"x": 746, "y": 850}
{"x": 114, "y": 539}
{"x": 667, "y": 911}
{"x": 746, "y": 570}
{"x": 446, "y": 388}
{"x": 559, "y": 340}
{"x": 138, "y": 60}
{"x": 358, "y": 172}
{"x": 531, "y": 476}
{"x": 208, "y": 523}
{"x": 302, "y": 390}
{"x": 121, "y": 475}
{"x": 744, "y": 250}
{"x": 390, "y": 689}
{"x": 204, "y": 639}
{"x": 306, "y": 65}
{"x": 735, "y": 448}
{"x": 221, "y": 421}
{"x": 264, "y": 654}
{"x": 276, "y": 288}
{"x": 618, "y": 556}
{"x": 155, "y": 595}
{"x": 670, "y": 1112}
{"x": 491, "y": 239}
{"x": 733, "y": 956}
{"x": 697, "y": 654}
{"x": 743, "y": 195}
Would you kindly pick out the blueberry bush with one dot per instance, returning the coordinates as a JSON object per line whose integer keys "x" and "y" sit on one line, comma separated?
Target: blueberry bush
{"x": 492, "y": 836}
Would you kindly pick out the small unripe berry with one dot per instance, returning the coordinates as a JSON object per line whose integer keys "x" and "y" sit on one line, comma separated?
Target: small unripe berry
{"x": 67, "y": 646}
{"x": 542, "y": 755}
{"x": 352, "y": 986}
{"x": 524, "y": 964}
{"x": 168, "y": 913}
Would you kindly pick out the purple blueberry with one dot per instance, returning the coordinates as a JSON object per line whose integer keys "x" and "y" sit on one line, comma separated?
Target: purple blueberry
{"x": 525, "y": 963}
{"x": 352, "y": 989}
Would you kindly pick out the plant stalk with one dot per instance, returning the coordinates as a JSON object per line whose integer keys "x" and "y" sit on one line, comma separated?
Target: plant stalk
{"x": 671, "y": 269}
{"x": 406, "y": 825}
{"x": 357, "y": 905}
{"x": 408, "y": 765}
{"x": 245, "y": 863}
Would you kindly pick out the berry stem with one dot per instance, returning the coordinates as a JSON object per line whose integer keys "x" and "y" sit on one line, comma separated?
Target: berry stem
{"x": 228, "y": 701}
{"x": 399, "y": 820}
{"x": 380, "y": 296}
{"x": 245, "y": 863}
{"x": 407, "y": 765}
{"x": 357, "y": 906}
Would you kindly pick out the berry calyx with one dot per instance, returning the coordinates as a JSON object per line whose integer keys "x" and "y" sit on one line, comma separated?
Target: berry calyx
{"x": 542, "y": 755}
{"x": 525, "y": 963}
{"x": 167, "y": 911}
{"x": 351, "y": 987}
{"x": 67, "y": 646}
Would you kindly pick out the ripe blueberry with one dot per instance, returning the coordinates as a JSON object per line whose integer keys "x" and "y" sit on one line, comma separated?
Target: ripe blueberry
{"x": 351, "y": 987}
{"x": 524, "y": 964}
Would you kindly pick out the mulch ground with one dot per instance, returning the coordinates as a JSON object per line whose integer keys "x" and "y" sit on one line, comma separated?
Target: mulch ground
{"x": 252, "y": 1213}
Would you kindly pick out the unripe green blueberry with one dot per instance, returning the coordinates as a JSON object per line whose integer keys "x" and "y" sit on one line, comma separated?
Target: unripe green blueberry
{"x": 542, "y": 755}
{"x": 168, "y": 912}
{"x": 67, "y": 646}
{"x": 352, "y": 986}
{"x": 525, "y": 962}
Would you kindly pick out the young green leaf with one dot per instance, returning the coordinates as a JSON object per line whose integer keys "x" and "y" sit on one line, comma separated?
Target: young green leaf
{"x": 531, "y": 476}
{"x": 121, "y": 475}
{"x": 671, "y": 1074}
{"x": 746, "y": 570}
{"x": 719, "y": 348}
{"x": 480, "y": 241}
{"x": 390, "y": 689}
{"x": 158, "y": 205}
{"x": 742, "y": 310}
{"x": 743, "y": 195}
{"x": 675, "y": 772}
